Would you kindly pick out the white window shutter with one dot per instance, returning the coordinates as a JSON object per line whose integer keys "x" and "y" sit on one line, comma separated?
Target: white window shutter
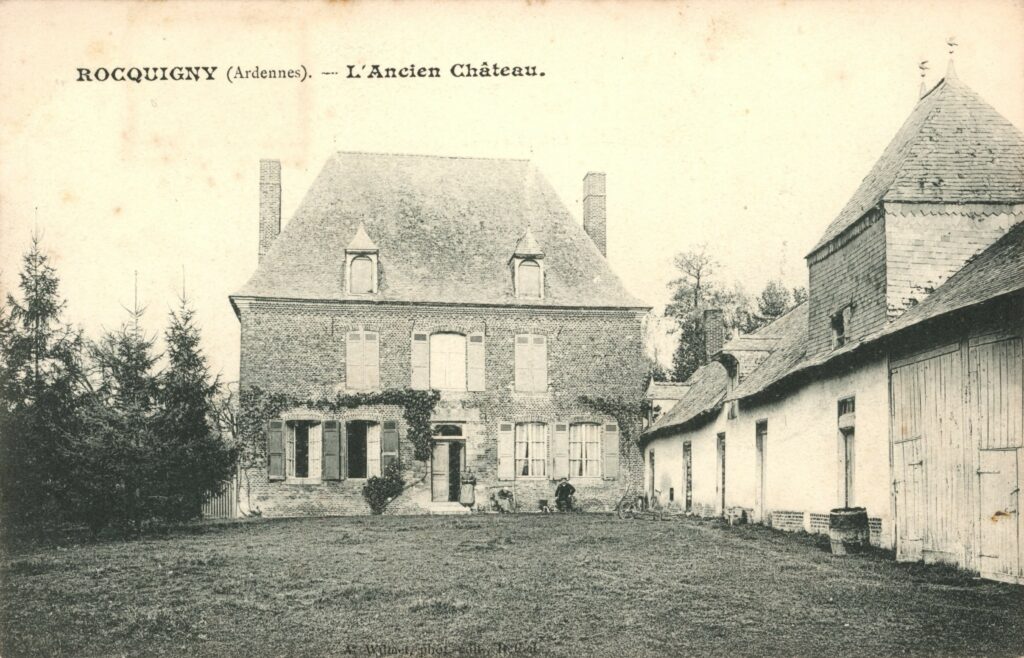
{"x": 506, "y": 451}
{"x": 610, "y": 445}
{"x": 560, "y": 452}
{"x": 476, "y": 356}
{"x": 371, "y": 360}
{"x": 420, "y": 362}
{"x": 539, "y": 364}
{"x": 372, "y": 450}
{"x": 353, "y": 360}
{"x": 522, "y": 357}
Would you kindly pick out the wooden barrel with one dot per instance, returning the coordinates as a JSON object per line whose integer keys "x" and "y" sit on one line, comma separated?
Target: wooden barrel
{"x": 848, "y": 529}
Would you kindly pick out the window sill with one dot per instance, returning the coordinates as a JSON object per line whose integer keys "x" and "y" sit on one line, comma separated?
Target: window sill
{"x": 302, "y": 481}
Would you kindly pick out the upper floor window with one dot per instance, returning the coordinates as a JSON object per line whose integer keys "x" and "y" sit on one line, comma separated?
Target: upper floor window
{"x": 530, "y": 279}
{"x": 361, "y": 264}
{"x": 362, "y": 360}
{"x": 448, "y": 362}
{"x": 531, "y": 363}
{"x": 840, "y": 327}
{"x": 361, "y": 276}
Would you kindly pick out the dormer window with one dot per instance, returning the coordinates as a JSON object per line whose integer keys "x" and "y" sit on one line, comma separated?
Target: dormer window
{"x": 361, "y": 264}
{"x": 530, "y": 280}
{"x": 840, "y": 326}
{"x": 528, "y": 268}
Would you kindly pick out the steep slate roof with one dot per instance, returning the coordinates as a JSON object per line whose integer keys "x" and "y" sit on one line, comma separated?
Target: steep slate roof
{"x": 446, "y": 229}
{"x": 953, "y": 148}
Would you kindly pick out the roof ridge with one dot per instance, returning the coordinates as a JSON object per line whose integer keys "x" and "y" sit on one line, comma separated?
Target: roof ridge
{"x": 429, "y": 155}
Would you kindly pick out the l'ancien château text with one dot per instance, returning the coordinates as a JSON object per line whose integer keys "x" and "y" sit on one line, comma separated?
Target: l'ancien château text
{"x": 460, "y": 70}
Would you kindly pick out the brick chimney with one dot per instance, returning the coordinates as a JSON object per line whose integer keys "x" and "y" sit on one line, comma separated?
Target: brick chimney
{"x": 594, "y": 218}
{"x": 714, "y": 331}
{"x": 270, "y": 203}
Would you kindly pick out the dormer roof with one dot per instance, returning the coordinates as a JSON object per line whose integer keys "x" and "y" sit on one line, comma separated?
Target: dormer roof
{"x": 361, "y": 243}
{"x": 953, "y": 148}
{"x": 527, "y": 246}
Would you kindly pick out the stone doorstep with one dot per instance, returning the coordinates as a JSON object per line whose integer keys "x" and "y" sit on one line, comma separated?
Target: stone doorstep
{"x": 448, "y": 508}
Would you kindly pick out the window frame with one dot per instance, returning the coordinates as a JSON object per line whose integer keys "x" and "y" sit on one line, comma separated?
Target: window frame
{"x": 351, "y": 257}
{"x": 358, "y": 258}
{"x": 596, "y": 449}
{"x": 314, "y": 451}
{"x": 528, "y": 459}
{"x": 432, "y": 362}
{"x": 521, "y": 290}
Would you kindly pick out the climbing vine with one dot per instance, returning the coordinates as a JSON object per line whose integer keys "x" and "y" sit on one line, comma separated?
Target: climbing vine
{"x": 629, "y": 414}
{"x": 259, "y": 406}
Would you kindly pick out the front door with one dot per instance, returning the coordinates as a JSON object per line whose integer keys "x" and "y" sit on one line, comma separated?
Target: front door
{"x": 998, "y": 496}
{"x": 439, "y": 472}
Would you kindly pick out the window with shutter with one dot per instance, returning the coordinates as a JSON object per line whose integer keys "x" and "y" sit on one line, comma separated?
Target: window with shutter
{"x": 531, "y": 452}
{"x": 531, "y": 365}
{"x": 448, "y": 362}
{"x": 585, "y": 450}
{"x": 420, "y": 362}
{"x": 531, "y": 281}
{"x": 362, "y": 360}
{"x": 361, "y": 276}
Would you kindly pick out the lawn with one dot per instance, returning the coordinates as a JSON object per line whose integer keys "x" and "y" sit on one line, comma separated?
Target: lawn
{"x": 489, "y": 585}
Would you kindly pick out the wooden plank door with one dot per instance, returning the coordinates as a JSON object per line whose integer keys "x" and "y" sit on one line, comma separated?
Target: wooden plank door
{"x": 439, "y": 482}
{"x": 909, "y": 485}
{"x": 998, "y": 525}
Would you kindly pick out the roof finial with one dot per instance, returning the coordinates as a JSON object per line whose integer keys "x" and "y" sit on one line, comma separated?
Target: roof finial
{"x": 952, "y": 43}
{"x": 923, "y": 66}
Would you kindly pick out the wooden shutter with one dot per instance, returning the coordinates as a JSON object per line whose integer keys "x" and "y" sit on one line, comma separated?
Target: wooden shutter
{"x": 420, "y": 362}
{"x": 522, "y": 363}
{"x": 560, "y": 452}
{"x": 354, "y": 360}
{"x": 275, "y": 450}
{"x": 539, "y": 363}
{"x": 610, "y": 445}
{"x": 342, "y": 451}
{"x": 372, "y": 450}
{"x": 331, "y": 469}
{"x": 389, "y": 444}
{"x": 506, "y": 451}
{"x": 475, "y": 357}
{"x": 371, "y": 360}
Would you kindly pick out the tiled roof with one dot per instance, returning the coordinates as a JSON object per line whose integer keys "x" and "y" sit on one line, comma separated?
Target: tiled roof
{"x": 527, "y": 245}
{"x": 953, "y": 148}
{"x": 445, "y": 228}
{"x": 710, "y": 383}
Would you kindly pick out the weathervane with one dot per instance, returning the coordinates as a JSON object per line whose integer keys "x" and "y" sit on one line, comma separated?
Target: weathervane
{"x": 951, "y": 42}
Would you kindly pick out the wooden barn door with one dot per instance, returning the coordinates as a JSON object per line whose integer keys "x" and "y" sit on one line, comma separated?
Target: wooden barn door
{"x": 997, "y": 423}
{"x": 930, "y": 467}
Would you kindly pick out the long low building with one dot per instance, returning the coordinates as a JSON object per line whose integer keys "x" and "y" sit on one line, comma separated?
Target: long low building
{"x": 897, "y": 386}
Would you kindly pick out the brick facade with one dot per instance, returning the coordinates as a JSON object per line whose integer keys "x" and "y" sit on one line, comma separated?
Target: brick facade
{"x": 299, "y": 348}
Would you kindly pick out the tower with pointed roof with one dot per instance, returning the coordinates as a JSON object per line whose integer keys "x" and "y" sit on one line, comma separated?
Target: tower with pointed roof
{"x": 950, "y": 183}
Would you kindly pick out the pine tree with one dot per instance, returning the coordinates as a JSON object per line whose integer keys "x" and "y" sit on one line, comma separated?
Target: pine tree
{"x": 193, "y": 459}
{"x": 41, "y": 379}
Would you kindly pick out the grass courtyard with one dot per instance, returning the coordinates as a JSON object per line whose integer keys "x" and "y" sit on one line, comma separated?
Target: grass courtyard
{"x": 490, "y": 585}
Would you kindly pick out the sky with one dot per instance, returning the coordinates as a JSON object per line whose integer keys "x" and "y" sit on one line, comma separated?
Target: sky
{"x": 742, "y": 125}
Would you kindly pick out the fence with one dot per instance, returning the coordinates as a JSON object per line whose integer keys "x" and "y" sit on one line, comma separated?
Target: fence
{"x": 223, "y": 505}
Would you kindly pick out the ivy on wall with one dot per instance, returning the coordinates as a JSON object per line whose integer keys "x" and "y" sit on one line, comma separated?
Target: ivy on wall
{"x": 628, "y": 413}
{"x": 258, "y": 407}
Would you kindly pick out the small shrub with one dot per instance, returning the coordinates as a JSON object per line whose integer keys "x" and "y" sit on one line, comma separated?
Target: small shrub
{"x": 382, "y": 489}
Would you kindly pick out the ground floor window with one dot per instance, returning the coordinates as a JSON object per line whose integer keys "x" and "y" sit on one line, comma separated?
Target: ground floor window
{"x": 531, "y": 449}
{"x": 584, "y": 450}
{"x": 302, "y": 452}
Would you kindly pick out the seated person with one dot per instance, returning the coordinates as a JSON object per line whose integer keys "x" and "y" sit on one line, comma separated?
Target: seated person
{"x": 563, "y": 495}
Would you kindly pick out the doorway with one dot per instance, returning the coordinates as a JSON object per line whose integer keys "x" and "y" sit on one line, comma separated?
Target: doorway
{"x": 759, "y": 470}
{"x": 446, "y": 471}
{"x": 721, "y": 472}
